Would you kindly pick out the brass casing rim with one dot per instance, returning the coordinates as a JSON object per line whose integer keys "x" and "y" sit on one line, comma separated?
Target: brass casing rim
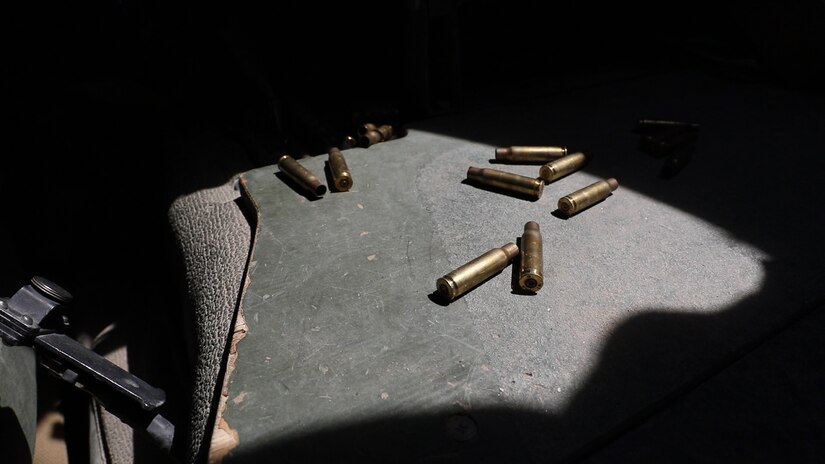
{"x": 344, "y": 181}
{"x": 447, "y": 287}
{"x": 341, "y": 176}
{"x": 567, "y": 204}
{"x": 528, "y": 275}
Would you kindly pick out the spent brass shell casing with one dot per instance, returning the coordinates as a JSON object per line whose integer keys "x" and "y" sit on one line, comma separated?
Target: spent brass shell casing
{"x": 370, "y": 138}
{"x": 366, "y": 127}
{"x": 529, "y": 155}
{"x": 466, "y": 277}
{"x": 301, "y": 175}
{"x": 515, "y": 183}
{"x": 676, "y": 162}
{"x": 561, "y": 167}
{"x": 587, "y": 196}
{"x": 531, "y": 269}
{"x": 340, "y": 172}
{"x": 349, "y": 142}
{"x": 665, "y": 142}
{"x": 387, "y": 132}
{"x": 651, "y": 126}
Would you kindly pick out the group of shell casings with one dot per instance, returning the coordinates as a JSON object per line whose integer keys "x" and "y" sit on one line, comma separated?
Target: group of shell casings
{"x": 531, "y": 266}
{"x": 555, "y": 164}
{"x": 309, "y": 182}
{"x": 368, "y": 134}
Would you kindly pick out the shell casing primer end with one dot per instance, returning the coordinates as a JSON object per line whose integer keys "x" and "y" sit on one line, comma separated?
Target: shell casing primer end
{"x": 531, "y": 268}
{"x": 341, "y": 175}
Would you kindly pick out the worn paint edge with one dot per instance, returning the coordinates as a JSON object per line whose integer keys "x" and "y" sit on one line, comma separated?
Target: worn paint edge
{"x": 224, "y": 437}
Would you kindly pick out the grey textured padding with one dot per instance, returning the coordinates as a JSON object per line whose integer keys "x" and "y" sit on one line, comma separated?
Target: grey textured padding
{"x": 214, "y": 238}
{"x": 18, "y": 403}
{"x": 117, "y": 435}
{"x": 98, "y": 438}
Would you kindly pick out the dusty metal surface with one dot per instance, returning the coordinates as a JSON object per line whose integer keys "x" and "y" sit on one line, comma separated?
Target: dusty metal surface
{"x": 349, "y": 356}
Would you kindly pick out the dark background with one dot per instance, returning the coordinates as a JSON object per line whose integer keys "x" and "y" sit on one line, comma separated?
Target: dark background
{"x": 117, "y": 108}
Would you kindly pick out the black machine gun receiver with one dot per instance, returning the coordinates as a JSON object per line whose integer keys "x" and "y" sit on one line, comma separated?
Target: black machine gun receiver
{"x": 34, "y": 317}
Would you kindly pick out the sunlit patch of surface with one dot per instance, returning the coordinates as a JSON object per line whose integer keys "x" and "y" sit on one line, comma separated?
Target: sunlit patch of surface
{"x": 625, "y": 256}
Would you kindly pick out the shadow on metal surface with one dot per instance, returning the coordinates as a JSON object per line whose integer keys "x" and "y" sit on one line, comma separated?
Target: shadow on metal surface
{"x": 635, "y": 354}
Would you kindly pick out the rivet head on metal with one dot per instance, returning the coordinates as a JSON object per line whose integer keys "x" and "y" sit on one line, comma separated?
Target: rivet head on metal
{"x": 2, "y": 304}
{"x": 26, "y": 319}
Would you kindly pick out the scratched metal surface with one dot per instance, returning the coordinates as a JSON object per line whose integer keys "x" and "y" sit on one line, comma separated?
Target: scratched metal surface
{"x": 348, "y": 357}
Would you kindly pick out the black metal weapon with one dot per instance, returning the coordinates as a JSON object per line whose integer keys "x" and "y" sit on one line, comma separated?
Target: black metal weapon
{"x": 34, "y": 317}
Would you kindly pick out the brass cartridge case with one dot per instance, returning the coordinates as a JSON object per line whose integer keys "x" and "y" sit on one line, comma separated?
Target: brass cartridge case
{"x": 663, "y": 143}
{"x": 676, "y": 162}
{"x": 466, "y": 277}
{"x": 561, "y": 167}
{"x": 652, "y": 126}
{"x": 370, "y": 138}
{"x": 301, "y": 175}
{"x": 588, "y": 196}
{"x": 340, "y": 172}
{"x": 366, "y": 127}
{"x": 387, "y": 132}
{"x": 529, "y": 155}
{"x": 349, "y": 142}
{"x": 515, "y": 183}
{"x": 531, "y": 269}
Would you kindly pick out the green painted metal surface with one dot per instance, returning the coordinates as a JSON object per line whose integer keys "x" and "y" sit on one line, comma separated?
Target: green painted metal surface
{"x": 647, "y": 293}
